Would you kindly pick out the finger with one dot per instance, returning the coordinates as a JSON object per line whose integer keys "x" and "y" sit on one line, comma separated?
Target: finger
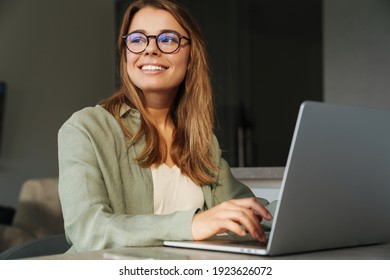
{"x": 251, "y": 221}
{"x": 248, "y": 219}
{"x": 259, "y": 211}
{"x": 253, "y": 204}
{"x": 234, "y": 227}
{"x": 254, "y": 227}
{"x": 258, "y": 216}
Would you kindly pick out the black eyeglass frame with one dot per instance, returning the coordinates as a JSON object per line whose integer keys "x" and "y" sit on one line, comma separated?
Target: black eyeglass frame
{"x": 155, "y": 37}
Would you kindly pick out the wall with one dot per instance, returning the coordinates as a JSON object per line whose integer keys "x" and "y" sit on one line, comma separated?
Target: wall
{"x": 55, "y": 57}
{"x": 266, "y": 58}
{"x": 357, "y": 52}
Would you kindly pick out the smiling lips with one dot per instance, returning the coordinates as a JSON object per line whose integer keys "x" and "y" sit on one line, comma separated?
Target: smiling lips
{"x": 153, "y": 68}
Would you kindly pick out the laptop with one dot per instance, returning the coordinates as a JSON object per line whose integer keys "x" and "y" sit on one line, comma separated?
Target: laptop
{"x": 336, "y": 187}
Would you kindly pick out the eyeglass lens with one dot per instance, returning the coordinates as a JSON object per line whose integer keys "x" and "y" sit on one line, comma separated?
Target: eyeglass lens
{"x": 167, "y": 42}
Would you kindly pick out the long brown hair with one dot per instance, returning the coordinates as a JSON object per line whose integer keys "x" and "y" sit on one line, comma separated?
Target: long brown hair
{"x": 193, "y": 109}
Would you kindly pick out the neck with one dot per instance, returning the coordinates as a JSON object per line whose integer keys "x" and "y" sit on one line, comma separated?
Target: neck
{"x": 158, "y": 106}
{"x": 161, "y": 117}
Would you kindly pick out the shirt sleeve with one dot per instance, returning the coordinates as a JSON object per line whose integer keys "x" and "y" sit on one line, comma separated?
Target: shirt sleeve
{"x": 89, "y": 220}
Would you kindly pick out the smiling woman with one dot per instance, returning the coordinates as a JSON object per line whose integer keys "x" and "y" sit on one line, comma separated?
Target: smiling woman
{"x": 144, "y": 166}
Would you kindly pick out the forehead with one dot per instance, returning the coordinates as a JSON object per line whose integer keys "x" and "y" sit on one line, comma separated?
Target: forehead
{"x": 152, "y": 21}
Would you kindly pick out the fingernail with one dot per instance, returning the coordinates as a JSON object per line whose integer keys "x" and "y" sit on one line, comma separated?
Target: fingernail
{"x": 269, "y": 216}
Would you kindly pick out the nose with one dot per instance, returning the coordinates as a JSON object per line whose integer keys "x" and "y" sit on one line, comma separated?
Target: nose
{"x": 151, "y": 48}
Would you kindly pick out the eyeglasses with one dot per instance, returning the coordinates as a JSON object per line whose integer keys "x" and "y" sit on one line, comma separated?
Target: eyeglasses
{"x": 167, "y": 41}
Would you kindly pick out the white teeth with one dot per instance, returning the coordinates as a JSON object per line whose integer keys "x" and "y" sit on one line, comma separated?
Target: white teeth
{"x": 153, "y": 68}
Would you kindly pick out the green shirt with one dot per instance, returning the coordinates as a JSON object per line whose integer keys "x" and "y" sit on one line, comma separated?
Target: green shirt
{"x": 107, "y": 198}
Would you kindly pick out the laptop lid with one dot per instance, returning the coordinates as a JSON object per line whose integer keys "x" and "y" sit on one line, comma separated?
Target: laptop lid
{"x": 335, "y": 191}
{"x": 336, "y": 188}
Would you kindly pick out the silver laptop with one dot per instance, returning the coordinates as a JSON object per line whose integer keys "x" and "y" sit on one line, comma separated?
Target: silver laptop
{"x": 336, "y": 187}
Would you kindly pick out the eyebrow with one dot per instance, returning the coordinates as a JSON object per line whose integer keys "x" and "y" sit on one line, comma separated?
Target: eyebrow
{"x": 161, "y": 31}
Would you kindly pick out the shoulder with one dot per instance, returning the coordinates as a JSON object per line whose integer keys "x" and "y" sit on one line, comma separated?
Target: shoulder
{"x": 90, "y": 116}
{"x": 93, "y": 119}
{"x": 99, "y": 124}
{"x": 91, "y": 122}
{"x": 215, "y": 149}
{"x": 91, "y": 132}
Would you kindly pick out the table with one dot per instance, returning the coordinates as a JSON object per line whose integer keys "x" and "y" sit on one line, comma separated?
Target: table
{"x": 373, "y": 252}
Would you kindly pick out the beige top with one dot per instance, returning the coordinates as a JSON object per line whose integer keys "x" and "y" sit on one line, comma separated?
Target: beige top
{"x": 174, "y": 191}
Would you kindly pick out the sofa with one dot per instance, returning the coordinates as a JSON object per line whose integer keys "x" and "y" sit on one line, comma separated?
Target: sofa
{"x": 37, "y": 215}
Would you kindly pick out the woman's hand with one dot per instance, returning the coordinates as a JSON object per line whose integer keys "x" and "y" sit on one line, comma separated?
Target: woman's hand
{"x": 230, "y": 216}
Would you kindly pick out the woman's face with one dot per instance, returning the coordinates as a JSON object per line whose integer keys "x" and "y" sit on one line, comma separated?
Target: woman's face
{"x": 151, "y": 70}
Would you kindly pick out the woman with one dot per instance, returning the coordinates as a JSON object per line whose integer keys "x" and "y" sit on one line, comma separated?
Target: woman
{"x": 144, "y": 166}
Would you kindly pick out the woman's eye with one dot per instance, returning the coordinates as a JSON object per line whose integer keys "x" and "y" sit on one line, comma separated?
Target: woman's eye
{"x": 137, "y": 39}
{"x": 168, "y": 39}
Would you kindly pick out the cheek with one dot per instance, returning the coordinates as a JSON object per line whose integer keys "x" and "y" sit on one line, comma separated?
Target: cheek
{"x": 130, "y": 62}
{"x": 182, "y": 63}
